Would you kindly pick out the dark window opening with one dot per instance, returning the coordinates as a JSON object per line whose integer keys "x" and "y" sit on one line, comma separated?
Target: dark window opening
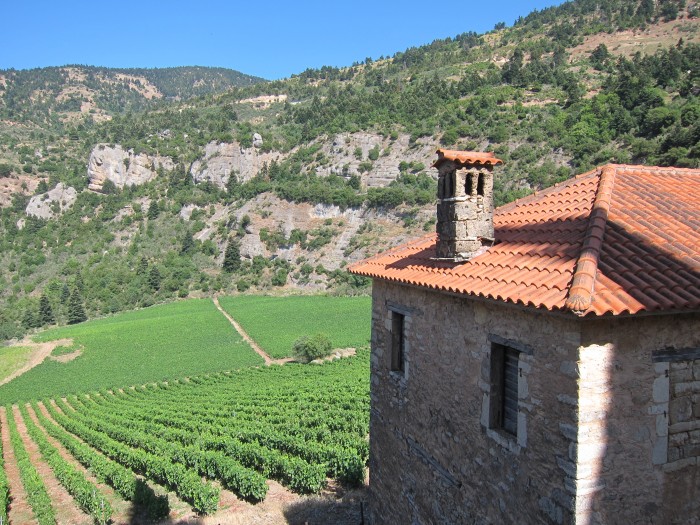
{"x": 469, "y": 185}
{"x": 480, "y": 185}
{"x": 504, "y": 389}
{"x": 398, "y": 343}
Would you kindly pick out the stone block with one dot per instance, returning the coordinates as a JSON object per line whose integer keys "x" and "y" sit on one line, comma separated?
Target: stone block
{"x": 553, "y": 511}
{"x": 680, "y": 410}
{"x": 660, "y": 390}
{"x": 659, "y": 453}
{"x": 687, "y": 387}
{"x": 569, "y": 369}
{"x": 660, "y": 369}
{"x": 661, "y": 425}
{"x": 680, "y": 464}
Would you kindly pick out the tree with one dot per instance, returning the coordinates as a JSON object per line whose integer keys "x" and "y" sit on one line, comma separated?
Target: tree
{"x": 76, "y": 312}
{"x": 153, "y": 210}
{"x": 142, "y": 267}
{"x": 188, "y": 244}
{"x": 45, "y": 311}
{"x": 154, "y": 278}
{"x": 232, "y": 257}
{"x": 65, "y": 294}
{"x": 31, "y": 319}
{"x": 314, "y": 347}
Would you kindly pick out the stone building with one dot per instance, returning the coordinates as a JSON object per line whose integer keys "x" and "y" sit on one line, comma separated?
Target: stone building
{"x": 540, "y": 363}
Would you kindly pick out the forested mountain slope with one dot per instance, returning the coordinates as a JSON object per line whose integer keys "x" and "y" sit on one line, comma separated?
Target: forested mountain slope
{"x": 279, "y": 184}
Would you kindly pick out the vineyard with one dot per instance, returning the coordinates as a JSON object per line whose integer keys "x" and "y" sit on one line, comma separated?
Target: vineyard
{"x": 202, "y": 442}
{"x": 346, "y": 320}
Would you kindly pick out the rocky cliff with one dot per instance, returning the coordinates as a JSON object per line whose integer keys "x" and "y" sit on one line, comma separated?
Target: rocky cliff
{"x": 223, "y": 160}
{"x": 123, "y": 168}
{"x": 52, "y": 203}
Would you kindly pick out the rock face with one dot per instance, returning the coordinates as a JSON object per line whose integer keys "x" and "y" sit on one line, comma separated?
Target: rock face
{"x": 257, "y": 140}
{"x": 53, "y": 202}
{"x": 222, "y": 160}
{"x": 348, "y": 151}
{"x": 123, "y": 168}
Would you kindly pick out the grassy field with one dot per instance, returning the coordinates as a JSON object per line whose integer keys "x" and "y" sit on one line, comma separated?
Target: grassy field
{"x": 158, "y": 343}
{"x": 13, "y": 358}
{"x": 276, "y": 322}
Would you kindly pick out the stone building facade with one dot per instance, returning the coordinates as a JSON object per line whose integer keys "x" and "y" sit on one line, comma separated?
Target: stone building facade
{"x": 525, "y": 385}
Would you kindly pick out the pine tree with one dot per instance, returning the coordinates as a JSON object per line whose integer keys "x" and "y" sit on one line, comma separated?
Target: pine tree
{"x": 65, "y": 294}
{"x": 142, "y": 268}
{"x": 187, "y": 243}
{"x": 30, "y": 319}
{"x": 232, "y": 257}
{"x": 45, "y": 311}
{"x": 153, "y": 210}
{"x": 76, "y": 312}
{"x": 154, "y": 278}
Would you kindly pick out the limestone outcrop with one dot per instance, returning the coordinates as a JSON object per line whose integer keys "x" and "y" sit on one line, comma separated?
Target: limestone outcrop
{"x": 123, "y": 168}
{"x": 348, "y": 151}
{"x": 52, "y": 203}
{"x": 223, "y": 160}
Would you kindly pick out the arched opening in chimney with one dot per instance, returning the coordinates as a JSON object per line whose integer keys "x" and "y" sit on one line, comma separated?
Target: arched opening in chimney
{"x": 469, "y": 185}
{"x": 480, "y": 185}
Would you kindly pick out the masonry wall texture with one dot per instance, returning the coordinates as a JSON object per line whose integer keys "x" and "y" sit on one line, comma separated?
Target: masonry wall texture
{"x": 590, "y": 416}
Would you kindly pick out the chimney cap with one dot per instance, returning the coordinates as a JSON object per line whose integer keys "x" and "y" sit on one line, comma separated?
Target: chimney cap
{"x": 485, "y": 158}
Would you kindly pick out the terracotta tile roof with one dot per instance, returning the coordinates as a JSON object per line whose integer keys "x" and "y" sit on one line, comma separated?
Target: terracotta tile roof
{"x": 616, "y": 240}
{"x": 466, "y": 157}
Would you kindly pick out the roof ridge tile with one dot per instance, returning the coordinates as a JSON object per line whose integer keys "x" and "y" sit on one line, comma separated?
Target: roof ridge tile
{"x": 583, "y": 283}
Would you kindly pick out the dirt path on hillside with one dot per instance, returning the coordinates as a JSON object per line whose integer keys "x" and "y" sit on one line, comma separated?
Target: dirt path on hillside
{"x": 19, "y": 510}
{"x": 63, "y": 504}
{"x": 268, "y": 360}
{"x": 40, "y": 351}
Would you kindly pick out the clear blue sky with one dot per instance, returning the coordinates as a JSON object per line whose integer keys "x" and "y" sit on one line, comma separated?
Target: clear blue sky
{"x": 268, "y": 39}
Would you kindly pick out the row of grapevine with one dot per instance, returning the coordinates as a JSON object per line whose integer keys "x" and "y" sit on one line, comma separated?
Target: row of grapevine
{"x": 37, "y": 496}
{"x": 85, "y": 493}
{"x": 203, "y": 496}
{"x": 295, "y": 424}
{"x": 4, "y": 487}
{"x": 345, "y": 459}
{"x": 124, "y": 481}
{"x": 234, "y": 476}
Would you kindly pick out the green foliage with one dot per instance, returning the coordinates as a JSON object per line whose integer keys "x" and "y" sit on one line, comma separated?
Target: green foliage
{"x": 85, "y": 494}
{"x": 232, "y": 257}
{"x": 203, "y": 496}
{"x": 295, "y": 424}
{"x": 4, "y": 488}
{"x": 312, "y": 347}
{"x": 124, "y": 481}
{"x": 45, "y": 311}
{"x": 31, "y": 481}
{"x": 276, "y": 322}
{"x": 137, "y": 347}
{"x": 76, "y": 311}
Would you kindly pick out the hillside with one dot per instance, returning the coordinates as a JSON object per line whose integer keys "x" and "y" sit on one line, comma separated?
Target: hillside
{"x": 278, "y": 185}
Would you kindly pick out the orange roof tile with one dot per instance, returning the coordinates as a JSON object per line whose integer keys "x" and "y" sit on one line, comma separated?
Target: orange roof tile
{"x": 616, "y": 240}
{"x": 466, "y": 157}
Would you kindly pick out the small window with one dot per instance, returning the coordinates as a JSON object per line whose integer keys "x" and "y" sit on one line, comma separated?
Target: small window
{"x": 398, "y": 343}
{"x": 480, "y": 185}
{"x": 504, "y": 389}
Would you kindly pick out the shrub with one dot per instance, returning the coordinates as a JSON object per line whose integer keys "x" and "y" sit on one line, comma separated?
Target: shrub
{"x": 312, "y": 347}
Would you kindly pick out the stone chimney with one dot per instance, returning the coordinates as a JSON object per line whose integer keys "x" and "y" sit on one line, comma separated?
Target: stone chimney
{"x": 465, "y": 203}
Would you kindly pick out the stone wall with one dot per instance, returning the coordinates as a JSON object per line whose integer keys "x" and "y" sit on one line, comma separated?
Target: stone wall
{"x": 593, "y": 404}
{"x": 684, "y": 413}
{"x": 433, "y": 458}
{"x": 627, "y": 471}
